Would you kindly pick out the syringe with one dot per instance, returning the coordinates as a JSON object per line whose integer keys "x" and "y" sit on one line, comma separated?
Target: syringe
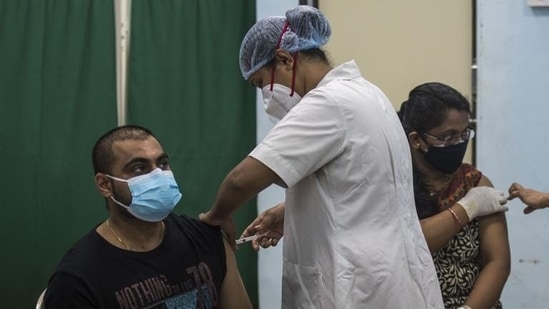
{"x": 246, "y": 239}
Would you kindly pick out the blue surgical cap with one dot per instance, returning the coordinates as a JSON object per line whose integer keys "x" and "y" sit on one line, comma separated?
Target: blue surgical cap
{"x": 308, "y": 28}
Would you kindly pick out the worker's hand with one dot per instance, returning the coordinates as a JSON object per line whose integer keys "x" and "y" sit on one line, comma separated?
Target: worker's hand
{"x": 227, "y": 225}
{"x": 482, "y": 201}
{"x": 269, "y": 224}
{"x": 532, "y": 198}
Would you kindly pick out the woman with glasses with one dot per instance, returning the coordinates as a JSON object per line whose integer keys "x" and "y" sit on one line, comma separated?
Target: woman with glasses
{"x": 462, "y": 221}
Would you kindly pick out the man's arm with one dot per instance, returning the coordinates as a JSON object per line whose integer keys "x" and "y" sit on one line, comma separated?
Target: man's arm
{"x": 233, "y": 294}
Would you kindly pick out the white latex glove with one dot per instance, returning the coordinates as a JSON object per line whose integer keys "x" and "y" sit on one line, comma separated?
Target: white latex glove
{"x": 482, "y": 201}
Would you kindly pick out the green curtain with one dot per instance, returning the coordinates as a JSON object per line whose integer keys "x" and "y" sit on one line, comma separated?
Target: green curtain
{"x": 184, "y": 84}
{"x": 57, "y": 95}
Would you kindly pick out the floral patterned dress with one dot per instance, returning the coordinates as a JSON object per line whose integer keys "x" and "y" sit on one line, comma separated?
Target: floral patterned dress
{"x": 458, "y": 263}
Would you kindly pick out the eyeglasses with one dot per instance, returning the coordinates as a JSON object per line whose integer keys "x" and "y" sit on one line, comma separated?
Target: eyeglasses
{"x": 449, "y": 140}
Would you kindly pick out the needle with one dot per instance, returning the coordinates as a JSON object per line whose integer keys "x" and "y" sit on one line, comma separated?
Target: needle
{"x": 246, "y": 239}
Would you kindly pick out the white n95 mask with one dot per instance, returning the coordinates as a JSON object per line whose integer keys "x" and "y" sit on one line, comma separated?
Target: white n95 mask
{"x": 279, "y": 102}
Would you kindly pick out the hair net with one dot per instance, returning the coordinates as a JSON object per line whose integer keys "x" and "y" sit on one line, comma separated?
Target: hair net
{"x": 308, "y": 28}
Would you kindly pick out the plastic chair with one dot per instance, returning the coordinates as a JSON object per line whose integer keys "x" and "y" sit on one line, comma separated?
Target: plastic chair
{"x": 40, "y": 301}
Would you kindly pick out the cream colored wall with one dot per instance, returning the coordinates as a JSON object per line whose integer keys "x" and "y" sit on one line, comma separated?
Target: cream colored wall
{"x": 400, "y": 44}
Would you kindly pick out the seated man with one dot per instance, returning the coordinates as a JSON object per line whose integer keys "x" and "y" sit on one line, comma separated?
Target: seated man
{"x": 143, "y": 255}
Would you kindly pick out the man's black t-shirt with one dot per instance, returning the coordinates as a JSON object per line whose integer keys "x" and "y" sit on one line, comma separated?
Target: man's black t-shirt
{"x": 185, "y": 271}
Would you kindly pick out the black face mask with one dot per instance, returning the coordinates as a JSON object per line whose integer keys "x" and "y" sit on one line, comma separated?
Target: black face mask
{"x": 446, "y": 159}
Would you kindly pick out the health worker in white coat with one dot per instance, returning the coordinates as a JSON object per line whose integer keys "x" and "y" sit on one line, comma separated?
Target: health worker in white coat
{"x": 352, "y": 236}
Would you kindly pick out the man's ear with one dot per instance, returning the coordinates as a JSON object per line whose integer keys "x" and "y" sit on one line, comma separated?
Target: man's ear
{"x": 284, "y": 58}
{"x": 103, "y": 184}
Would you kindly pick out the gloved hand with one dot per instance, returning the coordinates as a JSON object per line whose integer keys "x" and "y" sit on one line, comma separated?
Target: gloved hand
{"x": 482, "y": 201}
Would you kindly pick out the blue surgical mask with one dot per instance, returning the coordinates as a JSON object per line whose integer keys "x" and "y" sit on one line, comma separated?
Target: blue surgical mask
{"x": 154, "y": 195}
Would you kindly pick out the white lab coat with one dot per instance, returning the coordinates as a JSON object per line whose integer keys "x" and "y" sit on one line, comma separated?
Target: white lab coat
{"x": 352, "y": 238}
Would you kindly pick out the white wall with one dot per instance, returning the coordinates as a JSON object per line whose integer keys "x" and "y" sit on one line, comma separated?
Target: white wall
{"x": 269, "y": 260}
{"x": 401, "y": 44}
{"x": 513, "y": 130}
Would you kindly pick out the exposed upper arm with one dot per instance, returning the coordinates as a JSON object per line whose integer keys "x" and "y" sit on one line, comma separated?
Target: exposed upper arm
{"x": 233, "y": 294}
{"x": 494, "y": 241}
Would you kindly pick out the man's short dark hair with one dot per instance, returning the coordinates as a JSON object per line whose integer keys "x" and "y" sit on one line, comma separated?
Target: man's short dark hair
{"x": 102, "y": 154}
